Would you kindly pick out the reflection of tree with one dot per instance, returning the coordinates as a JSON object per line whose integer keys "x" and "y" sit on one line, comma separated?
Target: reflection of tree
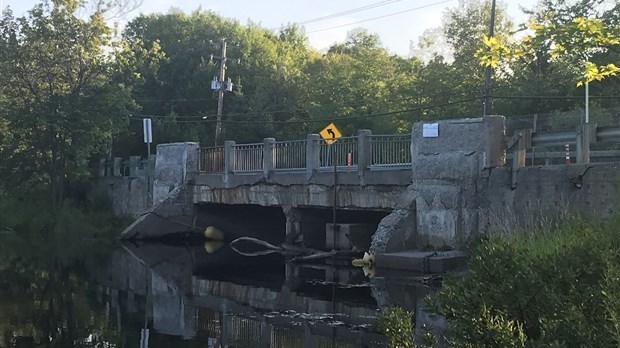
{"x": 44, "y": 293}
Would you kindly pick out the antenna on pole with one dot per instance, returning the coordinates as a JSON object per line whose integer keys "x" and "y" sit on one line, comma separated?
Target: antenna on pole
{"x": 220, "y": 85}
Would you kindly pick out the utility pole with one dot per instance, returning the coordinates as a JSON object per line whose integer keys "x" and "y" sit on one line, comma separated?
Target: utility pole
{"x": 220, "y": 86}
{"x": 487, "y": 77}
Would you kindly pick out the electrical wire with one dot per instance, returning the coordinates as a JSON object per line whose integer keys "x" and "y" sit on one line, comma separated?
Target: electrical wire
{"x": 427, "y": 107}
{"x": 347, "y": 12}
{"x": 210, "y": 117}
{"x": 380, "y": 17}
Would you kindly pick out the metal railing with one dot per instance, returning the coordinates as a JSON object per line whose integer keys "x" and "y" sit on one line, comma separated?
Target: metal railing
{"x": 342, "y": 153}
{"x": 290, "y": 155}
{"x": 135, "y": 166}
{"x": 559, "y": 157}
{"x": 390, "y": 150}
{"x": 248, "y": 157}
{"x": 211, "y": 159}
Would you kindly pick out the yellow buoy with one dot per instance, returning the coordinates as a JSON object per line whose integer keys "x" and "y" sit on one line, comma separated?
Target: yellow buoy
{"x": 367, "y": 261}
{"x": 213, "y": 233}
{"x": 212, "y": 246}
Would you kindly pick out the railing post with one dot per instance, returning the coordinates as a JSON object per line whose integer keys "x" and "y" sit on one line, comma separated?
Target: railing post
{"x": 200, "y": 155}
{"x": 134, "y": 163}
{"x": 269, "y": 147}
{"x": 101, "y": 171}
{"x": 312, "y": 154}
{"x": 364, "y": 150}
{"x": 118, "y": 165}
{"x": 229, "y": 156}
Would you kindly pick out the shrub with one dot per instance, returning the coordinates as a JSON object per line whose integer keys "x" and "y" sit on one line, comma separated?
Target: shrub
{"x": 556, "y": 287}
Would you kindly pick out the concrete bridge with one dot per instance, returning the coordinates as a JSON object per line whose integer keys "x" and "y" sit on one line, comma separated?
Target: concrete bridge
{"x": 438, "y": 186}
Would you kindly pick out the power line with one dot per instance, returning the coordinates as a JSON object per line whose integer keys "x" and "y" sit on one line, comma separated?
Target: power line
{"x": 427, "y": 107}
{"x": 379, "y": 17}
{"x": 343, "y": 13}
{"x": 209, "y": 118}
{"x": 552, "y": 97}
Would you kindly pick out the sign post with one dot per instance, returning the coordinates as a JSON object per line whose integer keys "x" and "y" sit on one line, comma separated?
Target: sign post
{"x": 148, "y": 139}
{"x": 331, "y": 134}
{"x": 148, "y": 134}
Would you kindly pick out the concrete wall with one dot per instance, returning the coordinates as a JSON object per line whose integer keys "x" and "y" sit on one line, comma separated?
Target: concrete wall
{"x": 376, "y": 197}
{"x": 171, "y": 210}
{"x": 127, "y": 196}
{"x": 174, "y": 161}
{"x": 592, "y": 191}
{"x": 458, "y": 190}
{"x": 444, "y": 203}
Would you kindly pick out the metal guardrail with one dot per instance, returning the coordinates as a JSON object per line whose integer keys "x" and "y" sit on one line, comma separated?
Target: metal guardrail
{"x": 390, "y": 150}
{"x": 342, "y": 153}
{"x": 290, "y": 155}
{"x": 248, "y": 158}
{"x": 211, "y": 159}
{"x": 559, "y": 157}
{"x": 582, "y": 137}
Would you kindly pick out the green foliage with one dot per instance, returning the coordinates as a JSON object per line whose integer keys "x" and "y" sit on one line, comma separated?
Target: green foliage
{"x": 562, "y": 37}
{"x": 58, "y": 100}
{"x": 396, "y": 324}
{"x": 545, "y": 288}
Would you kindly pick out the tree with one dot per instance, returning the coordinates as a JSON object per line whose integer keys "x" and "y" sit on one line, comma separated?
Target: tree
{"x": 59, "y": 103}
{"x": 575, "y": 36}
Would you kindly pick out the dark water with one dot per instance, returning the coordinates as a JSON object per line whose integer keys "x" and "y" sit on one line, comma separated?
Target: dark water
{"x": 85, "y": 293}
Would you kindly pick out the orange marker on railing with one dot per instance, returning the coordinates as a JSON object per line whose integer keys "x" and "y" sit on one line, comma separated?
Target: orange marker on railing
{"x": 348, "y": 161}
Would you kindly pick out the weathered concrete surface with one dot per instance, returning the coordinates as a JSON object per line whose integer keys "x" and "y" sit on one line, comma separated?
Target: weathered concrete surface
{"x": 172, "y": 210}
{"x": 349, "y": 236}
{"x": 592, "y": 190}
{"x": 442, "y": 206}
{"x": 174, "y": 161}
{"x": 174, "y": 214}
{"x": 266, "y": 194}
{"x": 325, "y": 177}
{"x": 422, "y": 261}
{"x": 128, "y": 196}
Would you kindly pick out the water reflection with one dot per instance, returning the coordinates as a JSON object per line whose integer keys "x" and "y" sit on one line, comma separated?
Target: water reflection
{"x": 156, "y": 295}
{"x": 226, "y": 299}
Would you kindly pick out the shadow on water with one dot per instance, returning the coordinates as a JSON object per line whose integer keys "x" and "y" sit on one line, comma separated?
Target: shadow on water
{"x": 81, "y": 294}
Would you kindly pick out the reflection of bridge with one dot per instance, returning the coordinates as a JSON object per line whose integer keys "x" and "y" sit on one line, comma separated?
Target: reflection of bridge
{"x": 413, "y": 190}
{"x": 292, "y": 307}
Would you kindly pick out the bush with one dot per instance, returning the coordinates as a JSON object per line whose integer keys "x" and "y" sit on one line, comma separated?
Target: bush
{"x": 556, "y": 287}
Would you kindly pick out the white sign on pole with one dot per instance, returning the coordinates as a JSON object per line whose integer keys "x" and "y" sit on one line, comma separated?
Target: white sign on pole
{"x": 430, "y": 130}
{"x": 148, "y": 131}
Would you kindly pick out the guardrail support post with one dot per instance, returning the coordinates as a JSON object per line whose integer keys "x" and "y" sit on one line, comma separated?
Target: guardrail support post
{"x": 519, "y": 154}
{"x": 312, "y": 154}
{"x": 269, "y": 147}
{"x": 364, "y": 138}
{"x": 586, "y": 133}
